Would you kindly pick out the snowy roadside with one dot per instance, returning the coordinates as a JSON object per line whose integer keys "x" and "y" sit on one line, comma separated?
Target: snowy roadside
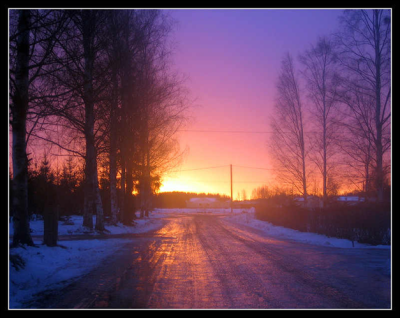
{"x": 74, "y": 226}
{"x": 54, "y": 267}
{"x": 249, "y": 219}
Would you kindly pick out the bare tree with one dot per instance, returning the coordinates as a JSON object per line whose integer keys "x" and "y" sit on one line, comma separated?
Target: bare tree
{"x": 163, "y": 104}
{"x": 262, "y": 192}
{"x": 114, "y": 25}
{"x": 130, "y": 31}
{"x": 320, "y": 72}
{"x": 365, "y": 53}
{"x": 79, "y": 72}
{"x": 33, "y": 34}
{"x": 287, "y": 141}
{"x": 244, "y": 195}
{"x": 152, "y": 106}
{"x": 357, "y": 141}
{"x": 106, "y": 90}
{"x": 19, "y": 109}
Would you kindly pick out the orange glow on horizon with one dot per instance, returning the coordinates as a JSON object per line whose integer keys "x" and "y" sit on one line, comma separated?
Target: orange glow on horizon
{"x": 219, "y": 150}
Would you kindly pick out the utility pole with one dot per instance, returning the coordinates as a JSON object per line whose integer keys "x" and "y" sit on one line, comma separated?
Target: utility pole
{"x": 231, "y": 192}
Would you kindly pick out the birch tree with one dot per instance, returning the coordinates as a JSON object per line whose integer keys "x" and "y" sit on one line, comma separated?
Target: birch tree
{"x": 320, "y": 73}
{"x": 80, "y": 69}
{"x": 33, "y": 34}
{"x": 287, "y": 142}
{"x": 357, "y": 141}
{"x": 365, "y": 55}
{"x": 20, "y": 104}
{"x": 163, "y": 100}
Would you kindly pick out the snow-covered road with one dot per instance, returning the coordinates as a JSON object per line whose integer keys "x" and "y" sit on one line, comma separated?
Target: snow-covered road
{"x": 204, "y": 261}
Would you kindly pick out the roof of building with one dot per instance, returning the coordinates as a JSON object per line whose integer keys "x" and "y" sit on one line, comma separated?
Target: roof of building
{"x": 350, "y": 198}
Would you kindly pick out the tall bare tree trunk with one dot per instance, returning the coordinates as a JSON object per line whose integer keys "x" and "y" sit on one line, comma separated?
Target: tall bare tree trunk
{"x": 122, "y": 197}
{"x": 324, "y": 172}
{"x": 289, "y": 150}
{"x": 142, "y": 188}
{"x": 145, "y": 163}
{"x": 19, "y": 156}
{"x": 378, "y": 121}
{"x": 148, "y": 181}
{"x": 115, "y": 47}
{"x": 127, "y": 144}
{"x": 129, "y": 207}
{"x": 367, "y": 171}
{"x": 320, "y": 74}
{"x": 126, "y": 155}
{"x": 113, "y": 152}
{"x": 366, "y": 46}
{"x": 90, "y": 195}
{"x": 303, "y": 159}
{"x": 99, "y": 205}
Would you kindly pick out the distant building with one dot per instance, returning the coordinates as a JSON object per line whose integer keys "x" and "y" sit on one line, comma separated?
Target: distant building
{"x": 207, "y": 203}
{"x": 350, "y": 199}
{"x": 316, "y": 202}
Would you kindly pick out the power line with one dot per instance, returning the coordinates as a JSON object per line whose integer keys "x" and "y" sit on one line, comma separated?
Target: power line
{"x": 216, "y": 181}
{"x": 257, "y": 168}
{"x": 199, "y": 168}
{"x": 214, "y": 167}
{"x": 241, "y": 131}
{"x": 227, "y": 131}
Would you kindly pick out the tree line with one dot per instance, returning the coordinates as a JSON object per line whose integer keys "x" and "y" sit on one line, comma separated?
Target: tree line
{"x": 98, "y": 85}
{"x": 177, "y": 199}
{"x": 332, "y": 114}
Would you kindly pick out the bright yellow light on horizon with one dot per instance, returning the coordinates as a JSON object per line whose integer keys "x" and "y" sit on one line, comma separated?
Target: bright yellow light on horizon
{"x": 187, "y": 184}
{"x": 170, "y": 185}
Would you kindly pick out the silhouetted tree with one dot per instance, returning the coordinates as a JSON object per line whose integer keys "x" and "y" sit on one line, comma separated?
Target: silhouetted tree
{"x": 80, "y": 67}
{"x": 19, "y": 108}
{"x": 33, "y": 34}
{"x": 320, "y": 72}
{"x": 261, "y": 192}
{"x": 288, "y": 143}
{"x": 357, "y": 141}
{"x": 365, "y": 53}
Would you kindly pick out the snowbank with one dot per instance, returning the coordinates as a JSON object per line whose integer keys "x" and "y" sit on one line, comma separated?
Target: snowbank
{"x": 304, "y": 237}
{"x": 50, "y": 267}
{"x": 74, "y": 226}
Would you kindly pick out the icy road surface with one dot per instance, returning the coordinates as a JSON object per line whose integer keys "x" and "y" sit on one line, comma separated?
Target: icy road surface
{"x": 202, "y": 261}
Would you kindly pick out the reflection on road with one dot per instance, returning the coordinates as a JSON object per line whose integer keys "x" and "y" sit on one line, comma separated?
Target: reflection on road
{"x": 206, "y": 262}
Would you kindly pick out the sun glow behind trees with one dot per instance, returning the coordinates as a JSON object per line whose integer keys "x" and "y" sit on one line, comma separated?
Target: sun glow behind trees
{"x": 112, "y": 98}
{"x": 239, "y": 96}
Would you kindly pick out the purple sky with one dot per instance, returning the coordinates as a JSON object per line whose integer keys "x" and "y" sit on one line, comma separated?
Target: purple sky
{"x": 232, "y": 58}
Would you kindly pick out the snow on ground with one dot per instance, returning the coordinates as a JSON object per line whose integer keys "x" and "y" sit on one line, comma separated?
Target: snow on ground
{"x": 304, "y": 237}
{"x": 50, "y": 267}
{"x": 74, "y": 226}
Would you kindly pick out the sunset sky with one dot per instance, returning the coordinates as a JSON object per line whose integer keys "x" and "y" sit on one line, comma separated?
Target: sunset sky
{"x": 232, "y": 58}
